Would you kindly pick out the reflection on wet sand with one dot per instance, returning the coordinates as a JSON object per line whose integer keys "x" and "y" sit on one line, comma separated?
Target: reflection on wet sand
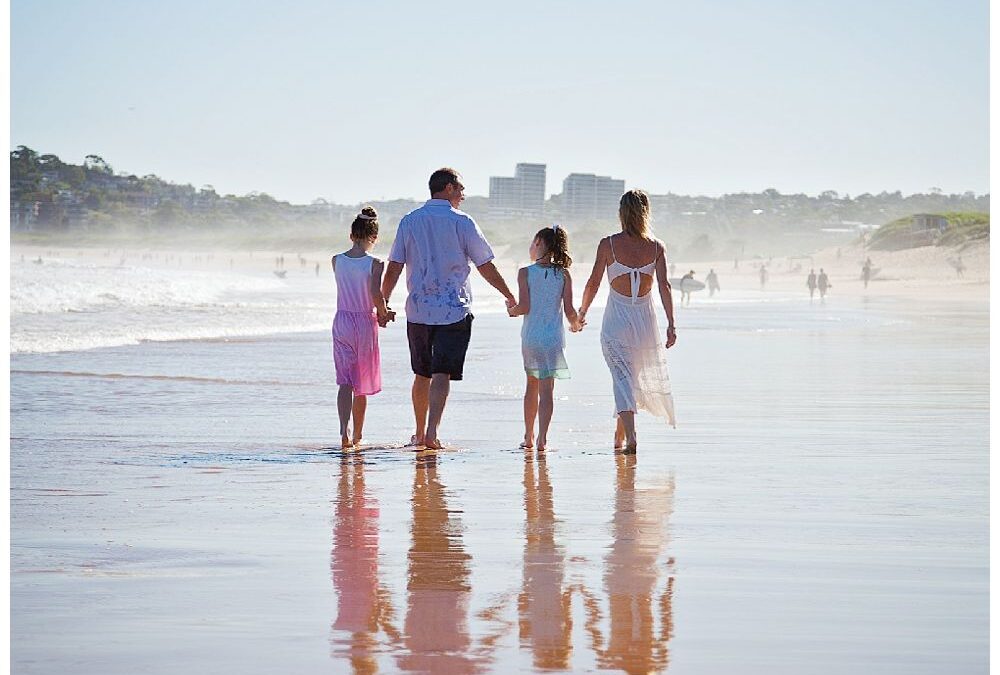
{"x": 544, "y": 604}
{"x": 363, "y": 607}
{"x": 629, "y": 620}
{"x": 436, "y": 635}
{"x": 641, "y": 623}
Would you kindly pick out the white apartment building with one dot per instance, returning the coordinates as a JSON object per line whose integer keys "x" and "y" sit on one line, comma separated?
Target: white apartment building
{"x": 587, "y": 197}
{"x": 522, "y": 195}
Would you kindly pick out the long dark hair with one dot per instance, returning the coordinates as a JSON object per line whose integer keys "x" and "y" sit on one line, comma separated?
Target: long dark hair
{"x": 556, "y": 242}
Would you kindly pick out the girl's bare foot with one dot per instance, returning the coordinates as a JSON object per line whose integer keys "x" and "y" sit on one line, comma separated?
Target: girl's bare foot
{"x": 357, "y": 441}
{"x": 345, "y": 442}
{"x": 542, "y": 444}
{"x": 527, "y": 443}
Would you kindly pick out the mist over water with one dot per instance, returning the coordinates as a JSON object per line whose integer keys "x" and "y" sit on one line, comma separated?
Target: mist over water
{"x": 60, "y": 305}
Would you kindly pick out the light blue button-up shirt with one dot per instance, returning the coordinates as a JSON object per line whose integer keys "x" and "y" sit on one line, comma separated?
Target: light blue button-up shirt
{"x": 436, "y": 243}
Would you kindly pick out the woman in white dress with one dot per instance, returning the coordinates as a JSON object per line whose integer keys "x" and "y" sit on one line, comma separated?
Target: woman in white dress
{"x": 630, "y": 336}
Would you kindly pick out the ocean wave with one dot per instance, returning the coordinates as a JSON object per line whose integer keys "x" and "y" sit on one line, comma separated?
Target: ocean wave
{"x": 43, "y": 341}
{"x": 67, "y": 287}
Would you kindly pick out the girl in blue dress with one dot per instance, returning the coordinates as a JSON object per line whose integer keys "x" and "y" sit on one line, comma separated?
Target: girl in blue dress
{"x": 544, "y": 286}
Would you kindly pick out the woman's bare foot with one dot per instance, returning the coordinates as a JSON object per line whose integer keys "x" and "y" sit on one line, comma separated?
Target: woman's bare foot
{"x": 543, "y": 444}
{"x": 527, "y": 443}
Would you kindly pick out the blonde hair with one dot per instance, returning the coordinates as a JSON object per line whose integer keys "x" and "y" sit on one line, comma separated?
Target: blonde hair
{"x": 634, "y": 213}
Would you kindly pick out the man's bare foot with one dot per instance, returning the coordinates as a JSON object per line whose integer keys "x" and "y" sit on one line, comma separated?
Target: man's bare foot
{"x": 631, "y": 447}
{"x": 619, "y": 442}
{"x": 415, "y": 441}
{"x": 357, "y": 442}
{"x": 542, "y": 444}
{"x": 527, "y": 443}
{"x": 345, "y": 442}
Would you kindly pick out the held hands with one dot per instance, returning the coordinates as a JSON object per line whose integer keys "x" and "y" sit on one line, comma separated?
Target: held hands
{"x": 511, "y": 303}
{"x": 383, "y": 320}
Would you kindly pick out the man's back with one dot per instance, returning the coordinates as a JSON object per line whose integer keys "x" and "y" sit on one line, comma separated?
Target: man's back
{"x": 436, "y": 243}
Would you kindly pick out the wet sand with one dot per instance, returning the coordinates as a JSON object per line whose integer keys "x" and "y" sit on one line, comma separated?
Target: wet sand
{"x": 822, "y": 506}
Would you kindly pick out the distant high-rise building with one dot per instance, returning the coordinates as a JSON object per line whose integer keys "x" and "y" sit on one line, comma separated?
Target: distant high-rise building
{"x": 504, "y": 194}
{"x": 522, "y": 195}
{"x": 587, "y": 197}
{"x": 530, "y": 178}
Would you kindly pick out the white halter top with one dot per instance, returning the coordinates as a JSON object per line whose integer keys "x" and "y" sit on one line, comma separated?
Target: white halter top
{"x": 616, "y": 269}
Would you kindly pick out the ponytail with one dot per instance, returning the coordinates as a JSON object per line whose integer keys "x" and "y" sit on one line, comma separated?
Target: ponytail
{"x": 556, "y": 242}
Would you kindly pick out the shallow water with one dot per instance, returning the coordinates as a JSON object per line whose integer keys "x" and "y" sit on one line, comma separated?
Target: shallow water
{"x": 822, "y": 506}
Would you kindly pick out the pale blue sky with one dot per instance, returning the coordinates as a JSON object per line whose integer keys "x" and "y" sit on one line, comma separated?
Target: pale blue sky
{"x": 361, "y": 100}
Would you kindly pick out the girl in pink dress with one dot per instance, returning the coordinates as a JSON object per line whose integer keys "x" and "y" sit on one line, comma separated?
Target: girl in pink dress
{"x": 361, "y": 309}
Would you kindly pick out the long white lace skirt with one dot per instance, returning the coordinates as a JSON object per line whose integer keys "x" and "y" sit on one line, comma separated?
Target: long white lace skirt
{"x": 630, "y": 340}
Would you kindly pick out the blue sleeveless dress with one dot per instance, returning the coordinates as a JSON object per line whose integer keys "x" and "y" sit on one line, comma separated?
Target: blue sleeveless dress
{"x": 543, "y": 337}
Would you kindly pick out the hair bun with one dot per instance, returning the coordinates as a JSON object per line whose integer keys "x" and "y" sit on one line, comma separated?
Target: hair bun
{"x": 368, "y": 213}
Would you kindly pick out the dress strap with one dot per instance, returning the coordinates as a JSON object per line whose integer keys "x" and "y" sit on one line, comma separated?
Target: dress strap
{"x": 611, "y": 243}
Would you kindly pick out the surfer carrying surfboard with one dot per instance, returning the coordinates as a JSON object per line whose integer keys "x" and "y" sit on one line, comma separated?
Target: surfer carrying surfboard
{"x": 686, "y": 284}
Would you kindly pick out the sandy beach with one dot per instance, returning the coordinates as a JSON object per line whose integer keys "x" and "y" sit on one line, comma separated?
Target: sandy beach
{"x": 178, "y": 503}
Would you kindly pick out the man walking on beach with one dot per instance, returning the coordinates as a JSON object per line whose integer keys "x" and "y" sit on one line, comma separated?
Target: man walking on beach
{"x": 436, "y": 243}
{"x": 824, "y": 284}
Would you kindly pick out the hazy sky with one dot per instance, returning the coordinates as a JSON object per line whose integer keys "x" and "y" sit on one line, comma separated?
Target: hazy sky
{"x": 361, "y": 100}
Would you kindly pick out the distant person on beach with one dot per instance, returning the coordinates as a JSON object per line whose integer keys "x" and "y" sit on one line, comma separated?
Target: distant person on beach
{"x": 436, "y": 243}
{"x": 811, "y": 283}
{"x": 866, "y": 271}
{"x": 959, "y": 267}
{"x": 686, "y": 288}
{"x": 361, "y": 309}
{"x": 629, "y": 333}
{"x": 823, "y": 283}
{"x": 544, "y": 288}
{"x": 763, "y": 276}
{"x": 713, "y": 283}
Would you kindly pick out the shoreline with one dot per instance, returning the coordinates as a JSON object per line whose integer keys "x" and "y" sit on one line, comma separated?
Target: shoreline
{"x": 917, "y": 280}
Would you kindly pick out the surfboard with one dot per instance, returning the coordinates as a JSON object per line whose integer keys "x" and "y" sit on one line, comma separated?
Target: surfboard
{"x": 689, "y": 285}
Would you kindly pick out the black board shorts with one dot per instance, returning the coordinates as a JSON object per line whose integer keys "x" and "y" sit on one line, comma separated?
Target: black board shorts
{"x": 439, "y": 349}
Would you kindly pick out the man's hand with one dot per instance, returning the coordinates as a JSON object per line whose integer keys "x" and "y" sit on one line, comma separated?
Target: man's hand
{"x": 384, "y": 320}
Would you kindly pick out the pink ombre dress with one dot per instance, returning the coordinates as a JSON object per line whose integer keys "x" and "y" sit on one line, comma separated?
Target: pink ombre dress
{"x": 355, "y": 328}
